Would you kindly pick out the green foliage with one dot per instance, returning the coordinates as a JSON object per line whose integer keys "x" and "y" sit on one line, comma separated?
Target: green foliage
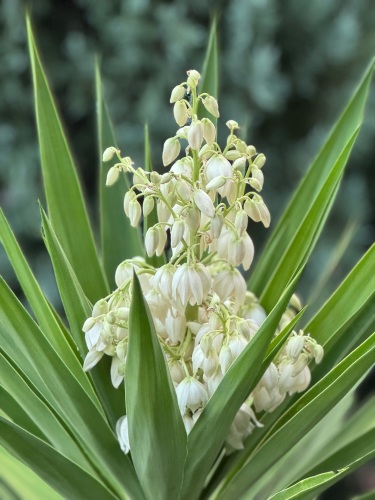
{"x": 60, "y": 421}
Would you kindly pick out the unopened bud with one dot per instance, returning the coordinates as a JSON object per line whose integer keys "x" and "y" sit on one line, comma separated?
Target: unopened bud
{"x": 240, "y": 221}
{"x": 239, "y": 164}
{"x": 193, "y": 218}
{"x": 112, "y": 176}
{"x": 148, "y": 205}
{"x": 205, "y": 152}
{"x": 195, "y": 135}
{"x": 260, "y": 160}
{"x": 135, "y": 212}
{"x": 129, "y": 196}
{"x": 216, "y": 225}
{"x": 251, "y": 151}
{"x": 193, "y": 78}
{"x": 171, "y": 150}
{"x": 151, "y": 240}
{"x": 210, "y": 103}
{"x": 295, "y": 302}
{"x": 165, "y": 178}
{"x": 204, "y": 203}
{"x": 209, "y": 131}
{"x": 216, "y": 183}
{"x": 109, "y": 153}
{"x": 232, "y": 125}
{"x": 232, "y": 155}
{"x": 177, "y": 232}
{"x": 180, "y": 113}
{"x": 155, "y": 177}
{"x": 177, "y": 93}
{"x": 162, "y": 240}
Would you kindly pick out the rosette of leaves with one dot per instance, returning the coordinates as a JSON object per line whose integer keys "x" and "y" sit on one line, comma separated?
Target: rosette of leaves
{"x": 57, "y": 423}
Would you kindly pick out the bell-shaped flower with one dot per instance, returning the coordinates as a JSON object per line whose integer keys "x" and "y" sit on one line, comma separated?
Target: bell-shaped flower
{"x": 195, "y": 135}
{"x": 191, "y": 395}
{"x": 171, "y": 150}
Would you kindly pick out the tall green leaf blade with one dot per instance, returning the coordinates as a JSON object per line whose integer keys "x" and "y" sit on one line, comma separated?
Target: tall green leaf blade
{"x": 63, "y": 192}
{"x": 41, "y": 308}
{"x": 77, "y": 309}
{"x": 301, "y": 244}
{"x": 209, "y": 80}
{"x": 25, "y": 345}
{"x": 299, "y": 418}
{"x": 346, "y": 301}
{"x": 308, "y": 488}
{"x": 227, "y": 399}
{"x": 156, "y": 430}
{"x": 49, "y": 426}
{"x": 120, "y": 240}
{"x": 311, "y": 184}
{"x": 60, "y": 473}
{"x": 31, "y": 486}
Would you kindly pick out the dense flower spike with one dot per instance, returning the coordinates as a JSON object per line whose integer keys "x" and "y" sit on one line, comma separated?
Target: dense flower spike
{"x": 203, "y": 313}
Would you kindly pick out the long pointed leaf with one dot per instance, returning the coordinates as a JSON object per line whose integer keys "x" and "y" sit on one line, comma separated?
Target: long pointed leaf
{"x": 25, "y": 345}
{"x": 156, "y": 431}
{"x": 43, "y": 312}
{"x": 63, "y": 192}
{"x": 31, "y": 486}
{"x": 301, "y": 244}
{"x": 60, "y": 473}
{"x": 120, "y": 241}
{"x": 311, "y": 184}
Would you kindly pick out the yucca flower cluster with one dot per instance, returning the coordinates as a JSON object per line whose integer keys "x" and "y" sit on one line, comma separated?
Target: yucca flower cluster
{"x": 203, "y": 314}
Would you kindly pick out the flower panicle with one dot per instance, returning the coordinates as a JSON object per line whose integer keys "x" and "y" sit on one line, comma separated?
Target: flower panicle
{"x": 203, "y": 313}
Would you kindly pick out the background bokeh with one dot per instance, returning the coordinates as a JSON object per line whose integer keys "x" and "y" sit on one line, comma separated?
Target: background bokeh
{"x": 286, "y": 71}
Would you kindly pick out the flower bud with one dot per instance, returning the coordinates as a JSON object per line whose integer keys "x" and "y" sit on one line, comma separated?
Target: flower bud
{"x": 300, "y": 364}
{"x": 239, "y": 164}
{"x": 177, "y": 232}
{"x": 225, "y": 359}
{"x": 171, "y": 150}
{"x": 178, "y": 93}
{"x": 251, "y": 151}
{"x": 100, "y": 308}
{"x": 193, "y": 78}
{"x": 205, "y": 152}
{"x": 295, "y": 302}
{"x": 180, "y": 113}
{"x": 112, "y": 176}
{"x": 294, "y": 346}
{"x": 162, "y": 240}
{"x": 260, "y": 160}
{"x": 129, "y": 196}
{"x": 204, "y": 203}
{"x": 148, "y": 205}
{"x": 193, "y": 218}
{"x": 216, "y": 225}
{"x": 216, "y": 183}
{"x": 209, "y": 131}
{"x": 232, "y": 125}
{"x": 151, "y": 240}
{"x": 195, "y": 135}
{"x": 257, "y": 179}
{"x": 210, "y": 103}
{"x": 318, "y": 352}
{"x": 135, "y": 212}
{"x": 155, "y": 177}
{"x": 88, "y": 324}
{"x": 232, "y": 155}
{"x": 109, "y": 153}
{"x": 240, "y": 221}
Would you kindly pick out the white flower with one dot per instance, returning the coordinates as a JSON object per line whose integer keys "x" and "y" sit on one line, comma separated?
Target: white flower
{"x": 208, "y": 361}
{"x": 177, "y": 93}
{"x": 230, "y": 283}
{"x": 175, "y": 325}
{"x": 209, "y": 132}
{"x": 218, "y": 166}
{"x": 177, "y": 232}
{"x": 135, "y": 212}
{"x": 162, "y": 280}
{"x": 122, "y": 432}
{"x": 294, "y": 346}
{"x": 267, "y": 401}
{"x": 191, "y": 394}
{"x": 187, "y": 285}
{"x": 242, "y": 426}
{"x": 112, "y": 176}
{"x": 151, "y": 240}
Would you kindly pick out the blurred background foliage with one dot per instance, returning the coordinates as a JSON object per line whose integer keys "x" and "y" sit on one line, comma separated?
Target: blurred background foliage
{"x": 286, "y": 71}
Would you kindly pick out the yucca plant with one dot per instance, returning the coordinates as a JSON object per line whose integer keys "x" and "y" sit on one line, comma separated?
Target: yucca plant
{"x": 175, "y": 379}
